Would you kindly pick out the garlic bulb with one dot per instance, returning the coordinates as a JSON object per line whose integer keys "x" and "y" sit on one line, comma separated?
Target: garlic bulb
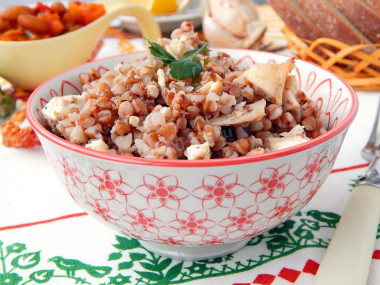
{"x": 231, "y": 23}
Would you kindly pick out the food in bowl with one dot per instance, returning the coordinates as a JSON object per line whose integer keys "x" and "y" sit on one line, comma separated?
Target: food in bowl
{"x": 23, "y": 23}
{"x": 154, "y": 108}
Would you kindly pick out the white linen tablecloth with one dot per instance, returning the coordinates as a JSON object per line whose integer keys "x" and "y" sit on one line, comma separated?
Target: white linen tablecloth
{"x": 45, "y": 238}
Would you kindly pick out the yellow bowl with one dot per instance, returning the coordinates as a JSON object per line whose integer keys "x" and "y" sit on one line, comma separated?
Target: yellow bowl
{"x": 29, "y": 63}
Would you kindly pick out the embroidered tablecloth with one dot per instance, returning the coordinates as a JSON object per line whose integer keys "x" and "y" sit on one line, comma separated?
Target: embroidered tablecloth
{"x": 45, "y": 238}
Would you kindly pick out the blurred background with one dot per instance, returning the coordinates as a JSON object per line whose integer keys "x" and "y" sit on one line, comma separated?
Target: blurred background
{"x": 5, "y": 3}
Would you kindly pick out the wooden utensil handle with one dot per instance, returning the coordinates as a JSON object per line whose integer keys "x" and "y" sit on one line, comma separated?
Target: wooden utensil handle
{"x": 348, "y": 256}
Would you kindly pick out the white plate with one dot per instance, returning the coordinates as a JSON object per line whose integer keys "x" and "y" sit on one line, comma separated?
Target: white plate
{"x": 168, "y": 23}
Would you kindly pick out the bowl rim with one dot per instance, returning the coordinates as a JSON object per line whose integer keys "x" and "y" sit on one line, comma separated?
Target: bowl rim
{"x": 184, "y": 163}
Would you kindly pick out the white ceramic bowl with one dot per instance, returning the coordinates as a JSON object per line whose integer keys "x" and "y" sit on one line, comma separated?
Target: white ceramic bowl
{"x": 198, "y": 209}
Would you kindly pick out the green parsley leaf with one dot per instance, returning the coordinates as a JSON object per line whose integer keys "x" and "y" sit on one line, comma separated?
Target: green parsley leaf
{"x": 185, "y": 69}
{"x": 191, "y": 54}
{"x": 160, "y": 53}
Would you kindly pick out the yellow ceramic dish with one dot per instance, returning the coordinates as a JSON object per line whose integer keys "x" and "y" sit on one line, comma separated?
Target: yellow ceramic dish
{"x": 29, "y": 63}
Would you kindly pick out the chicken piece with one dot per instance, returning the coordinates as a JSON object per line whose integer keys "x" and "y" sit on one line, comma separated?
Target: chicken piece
{"x": 99, "y": 144}
{"x": 198, "y": 151}
{"x": 287, "y": 139}
{"x": 60, "y": 105}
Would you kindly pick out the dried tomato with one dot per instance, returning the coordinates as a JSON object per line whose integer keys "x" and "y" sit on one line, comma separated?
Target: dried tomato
{"x": 14, "y": 136}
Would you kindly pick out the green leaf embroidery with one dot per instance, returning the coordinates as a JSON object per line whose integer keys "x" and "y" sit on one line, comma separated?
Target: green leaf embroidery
{"x": 304, "y": 234}
{"x": 277, "y": 242}
{"x": 15, "y": 248}
{"x": 311, "y": 224}
{"x": 115, "y": 256}
{"x": 125, "y": 265}
{"x": 164, "y": 264}
{"x": 256, "y": 240}
{"x": 136, "y": 256}
{"x": 126, "y": 243}
{"x": 148, "y": 266}
{"x": 331, "y": 219}
{"x": 10, "y": 279}
{"x": 27, "y": 260}
{"x": 149, "y": 275}
{"x": 42, "y": 276}
{"x": 197, "y": 268}
{"x": 174, "y": 271}
{"x": 119, "y": 279}
{"x": 283, "y": 228}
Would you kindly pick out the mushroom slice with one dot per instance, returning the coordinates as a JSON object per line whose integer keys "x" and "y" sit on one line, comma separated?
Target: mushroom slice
{"x": 250, "y": 113}
{"x": 289, "y": 101}
{"x": 270, "y": 79}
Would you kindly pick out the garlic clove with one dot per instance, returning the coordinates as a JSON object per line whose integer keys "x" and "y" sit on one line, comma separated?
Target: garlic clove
{"x": 232, "y": 23}
{"x": 256, "y": 30}
{"x": 219, "y": 37}
{"x": 234, "y": 15}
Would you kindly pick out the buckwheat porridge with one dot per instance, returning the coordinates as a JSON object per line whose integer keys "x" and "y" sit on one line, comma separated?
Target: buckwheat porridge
{"x": 179, "y": 102}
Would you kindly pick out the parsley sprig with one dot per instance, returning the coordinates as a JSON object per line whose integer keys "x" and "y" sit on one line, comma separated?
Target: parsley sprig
{"x": 186, "y": 67}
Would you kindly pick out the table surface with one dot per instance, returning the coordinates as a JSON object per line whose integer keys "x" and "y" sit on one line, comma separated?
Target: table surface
{"x": 45, "y": 237}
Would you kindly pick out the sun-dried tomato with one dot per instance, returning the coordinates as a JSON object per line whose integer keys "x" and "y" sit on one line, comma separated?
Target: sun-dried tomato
{"x": 14, "y": 136}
